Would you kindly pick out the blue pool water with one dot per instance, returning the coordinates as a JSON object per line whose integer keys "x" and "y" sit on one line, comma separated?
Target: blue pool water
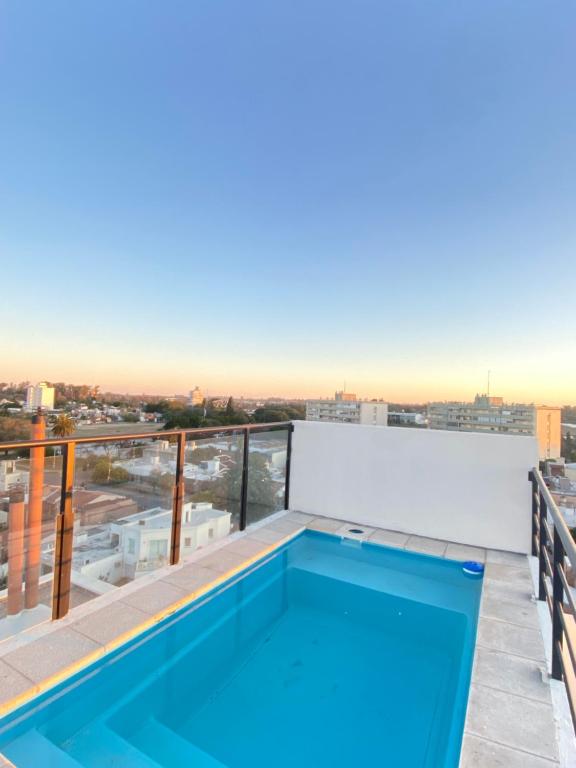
{"x": 328, "y": 653}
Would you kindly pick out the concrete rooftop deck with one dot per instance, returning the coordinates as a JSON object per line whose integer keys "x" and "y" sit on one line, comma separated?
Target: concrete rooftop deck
{"x": 510, "y": 720}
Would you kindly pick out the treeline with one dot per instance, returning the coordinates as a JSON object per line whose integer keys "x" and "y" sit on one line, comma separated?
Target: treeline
{"x": 178, "y": 416}
{"x": 569, "y": 414}
{"x": 569, "y": 446}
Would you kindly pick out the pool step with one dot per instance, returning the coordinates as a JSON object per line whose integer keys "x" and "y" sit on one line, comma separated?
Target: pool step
{"x": 98, "y": 746}
{"x": 32, "y": 750}
{"x": 401, "y": 583}
{"x": 170, "y": 749}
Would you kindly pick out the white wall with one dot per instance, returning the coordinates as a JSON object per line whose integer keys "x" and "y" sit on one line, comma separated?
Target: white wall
{"x": 462, "y": 487}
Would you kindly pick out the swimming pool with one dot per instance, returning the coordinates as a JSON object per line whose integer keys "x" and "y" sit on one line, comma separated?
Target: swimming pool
{"x": 329, "y": 652}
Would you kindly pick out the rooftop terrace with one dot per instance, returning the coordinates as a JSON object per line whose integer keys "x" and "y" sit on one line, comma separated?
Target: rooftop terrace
{"x": 463, "y": 497}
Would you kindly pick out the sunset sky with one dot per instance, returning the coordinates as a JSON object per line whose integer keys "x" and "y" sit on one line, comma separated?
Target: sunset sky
{"x": 277, "y": 197}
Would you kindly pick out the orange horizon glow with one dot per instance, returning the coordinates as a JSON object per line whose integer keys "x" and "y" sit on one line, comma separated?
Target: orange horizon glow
{"x": 413, "y": 389}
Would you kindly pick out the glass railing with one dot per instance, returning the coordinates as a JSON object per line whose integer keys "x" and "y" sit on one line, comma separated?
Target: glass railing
{"x": 267, "y": 466}
{"x": 83, "y": 516}
{"x": 30, "y": 482}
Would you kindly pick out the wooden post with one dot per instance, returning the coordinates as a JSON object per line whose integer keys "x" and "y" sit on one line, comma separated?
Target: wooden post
{"x": 33, "y": 558}
{"x": 16, "y": 538}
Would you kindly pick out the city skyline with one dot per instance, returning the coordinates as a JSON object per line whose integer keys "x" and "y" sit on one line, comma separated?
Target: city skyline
{"x": 380, "y": 395}
{"x": 183, "y": 199}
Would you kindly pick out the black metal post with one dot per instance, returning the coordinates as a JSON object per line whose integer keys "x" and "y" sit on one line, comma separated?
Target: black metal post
{"x": 244, "y": 491}
{"x": 288, "y": 461}
{"x": 178, "y": 500}
{"x": 64, "y": 538}
{"x": 558, "y": 601}
{"x": 534, "y": 514}
{"x": 543, "y": 543}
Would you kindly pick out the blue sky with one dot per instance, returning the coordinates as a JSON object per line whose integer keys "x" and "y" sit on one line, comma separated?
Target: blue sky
{"x": 276, "y": 197}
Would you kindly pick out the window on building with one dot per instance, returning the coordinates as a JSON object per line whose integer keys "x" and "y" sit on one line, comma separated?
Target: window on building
{"x": 210, "y": 533}
{"x": 188, "y": 541}
{"x": 131, "y": 546}
{"x": 158, "y": 548}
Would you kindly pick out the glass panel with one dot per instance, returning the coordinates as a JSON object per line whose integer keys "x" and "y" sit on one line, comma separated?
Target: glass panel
{"x": 122, "y": 501}
{"x": 266, "y": 474}
{"x": 29, "y": 501}
{"x": 213, "y": 479}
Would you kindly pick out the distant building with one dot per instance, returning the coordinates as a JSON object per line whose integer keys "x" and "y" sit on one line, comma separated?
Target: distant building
{"x": 90, "y": 507}
{"x": 159, "y": 459}
{"x": 348, "y": 411}
{"x": 549, "y": 431}
{"x": 345, "y": 397}
{"x": 39, "y": 396}
{"x": 128, "y": 547}
{"x": 144, "y": 538}
{"x": 196, "y": 397}
{"x": 491, "y": 414}
{"x": 10, "y": 476}
{"x": 406, "y": 418}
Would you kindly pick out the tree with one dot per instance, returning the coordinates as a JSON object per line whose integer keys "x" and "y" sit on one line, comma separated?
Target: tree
{"x": 569, "y": 447}
{"x": 184, "y": 418}
{"x": 166, "y": 482}
{"x": 261, "y": 496}
{"x": 130, "y": 418}
{"x": 264, "y": 415}
{"x": 63, "y": 426}
{"x": 286, "y": 412}
{"x": 159, "y": 406}
{"x": 105, "y": 472}
{"x": 230, "y": 415}
{"x": 204, "y": 453}
{"x": 14, "y": 428}
{"x": 161, "y": 480}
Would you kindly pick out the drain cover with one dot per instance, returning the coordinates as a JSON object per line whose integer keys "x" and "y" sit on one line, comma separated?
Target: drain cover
{"x": 355, "y": 530}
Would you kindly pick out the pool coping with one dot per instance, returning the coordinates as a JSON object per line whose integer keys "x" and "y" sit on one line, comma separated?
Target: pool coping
{"x": 502, "y": 726}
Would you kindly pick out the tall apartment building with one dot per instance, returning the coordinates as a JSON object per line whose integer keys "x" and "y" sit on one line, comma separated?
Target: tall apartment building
{"x": 491, "y": 414}
{"x": 348, "y": 411}
{"x": 39, "y": 396}
{"x": 196, "y": 397}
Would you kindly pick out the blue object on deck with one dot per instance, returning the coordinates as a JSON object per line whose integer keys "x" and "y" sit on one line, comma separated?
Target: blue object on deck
{"x": 322, "y": 655}
{"x": 472, "y": 568}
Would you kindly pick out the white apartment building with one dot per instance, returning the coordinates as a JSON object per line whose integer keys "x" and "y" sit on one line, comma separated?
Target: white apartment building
{"x": 196, "y": 397}
{"x": 491, "y": 414}
{"x": 39, "y": 396}
{"x": 144, "y": 538}
{"x": 348, "y": 412}
{"x": 134, "y": 545}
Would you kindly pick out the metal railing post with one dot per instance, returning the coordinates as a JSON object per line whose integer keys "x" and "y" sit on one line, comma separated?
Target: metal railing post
{"x": 534, "y": 485}
{"x": 244, "y": 492}
{"x": 288, "y": 462}
{"x": 177, "y": 500}
{"x": 543, "y": 543}
{"x": 557, "y": 602}
{"x": 64, "y": 537}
